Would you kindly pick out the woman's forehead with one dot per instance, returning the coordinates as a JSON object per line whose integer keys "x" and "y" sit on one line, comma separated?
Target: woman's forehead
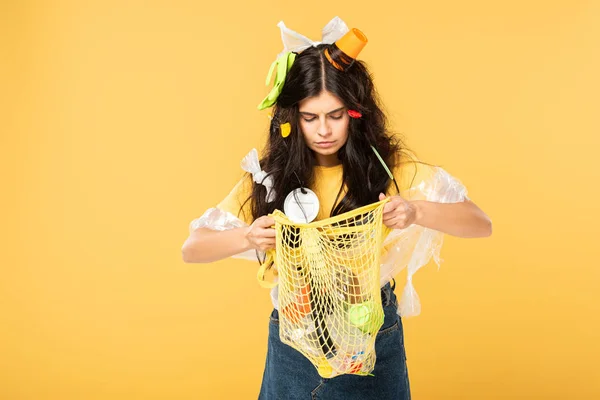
{"x": 325, "y": 102}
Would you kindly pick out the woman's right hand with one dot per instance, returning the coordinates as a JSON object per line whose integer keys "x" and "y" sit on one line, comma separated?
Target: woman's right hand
{"x": 260, "y": 235}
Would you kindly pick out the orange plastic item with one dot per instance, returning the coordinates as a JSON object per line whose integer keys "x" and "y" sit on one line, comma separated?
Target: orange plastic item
{"x": 300, "y": 308}
{"x": 352, "y": 43}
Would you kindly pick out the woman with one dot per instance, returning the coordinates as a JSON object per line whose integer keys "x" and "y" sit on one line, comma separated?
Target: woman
{"x": 328, "y": 134}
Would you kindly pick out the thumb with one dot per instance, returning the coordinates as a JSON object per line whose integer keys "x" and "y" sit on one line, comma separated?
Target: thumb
{"x": 270, "y": 222}
{"x": 381, "y": 196}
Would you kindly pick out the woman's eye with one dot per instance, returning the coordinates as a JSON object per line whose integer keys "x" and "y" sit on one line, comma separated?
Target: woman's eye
{"x": 309, "y": 119}
{"x": 337, "y": 117}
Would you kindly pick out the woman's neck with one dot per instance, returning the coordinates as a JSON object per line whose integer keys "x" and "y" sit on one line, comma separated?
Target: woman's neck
{"x": 329, "y": 160}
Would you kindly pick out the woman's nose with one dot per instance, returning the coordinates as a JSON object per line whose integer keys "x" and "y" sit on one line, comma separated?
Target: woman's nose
{"x": 324, "y": 129}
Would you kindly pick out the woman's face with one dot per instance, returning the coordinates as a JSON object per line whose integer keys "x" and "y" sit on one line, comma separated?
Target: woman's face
{"x": 324, "y": 124}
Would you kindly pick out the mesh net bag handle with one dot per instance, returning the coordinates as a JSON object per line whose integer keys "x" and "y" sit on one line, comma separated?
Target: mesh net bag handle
{"x": 260, "y": 276}
{"x": 329, "y": 295}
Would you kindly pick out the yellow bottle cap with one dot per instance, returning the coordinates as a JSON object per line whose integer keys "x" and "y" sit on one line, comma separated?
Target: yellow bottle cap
{"x": 325, "y": 369}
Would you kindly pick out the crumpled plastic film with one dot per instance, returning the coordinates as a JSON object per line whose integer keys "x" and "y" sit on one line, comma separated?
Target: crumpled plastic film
{"x": 413, "y": 247}
{"x": 296, "y": 42}
{"x": 251, "y": 164}
{"x": 219, "y": 220}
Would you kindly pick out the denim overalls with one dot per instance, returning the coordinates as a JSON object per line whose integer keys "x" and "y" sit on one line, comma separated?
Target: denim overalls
{"x": 289, "y": 375}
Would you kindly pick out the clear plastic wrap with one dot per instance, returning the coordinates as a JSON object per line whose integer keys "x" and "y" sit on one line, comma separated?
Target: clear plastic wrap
{"x": 296, "y": 42}
{"x": 251, "y": 164}
{"x": 414, "y": 246}
{"x": 219, "y": 220}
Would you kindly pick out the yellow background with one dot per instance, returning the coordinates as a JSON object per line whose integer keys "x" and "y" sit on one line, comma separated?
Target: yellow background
{"x": 121, "y": 121}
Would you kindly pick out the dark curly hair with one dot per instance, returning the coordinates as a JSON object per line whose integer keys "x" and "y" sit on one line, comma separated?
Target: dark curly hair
{"x": 290, "y": 161}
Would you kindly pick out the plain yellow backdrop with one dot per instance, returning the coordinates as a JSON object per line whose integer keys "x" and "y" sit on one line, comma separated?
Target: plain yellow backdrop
{"x": 124, "y": 120}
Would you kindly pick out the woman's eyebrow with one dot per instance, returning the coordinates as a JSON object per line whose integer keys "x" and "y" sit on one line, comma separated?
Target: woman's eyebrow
{"x": 330, "y": 112}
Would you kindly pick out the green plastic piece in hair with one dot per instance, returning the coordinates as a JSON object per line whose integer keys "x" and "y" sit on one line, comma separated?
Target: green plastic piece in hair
{"x": 280, "y": 66}
{"x": 383, "y": 163}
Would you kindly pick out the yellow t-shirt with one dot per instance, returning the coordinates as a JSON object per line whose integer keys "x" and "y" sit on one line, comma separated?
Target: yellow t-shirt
{"x": 327, "y": 183}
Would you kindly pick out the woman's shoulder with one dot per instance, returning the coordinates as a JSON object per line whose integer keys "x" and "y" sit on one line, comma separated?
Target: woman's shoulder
{"x": 236, "y": 201}
{"x": 245, "y": 183}
{"x": 409, "y": 170}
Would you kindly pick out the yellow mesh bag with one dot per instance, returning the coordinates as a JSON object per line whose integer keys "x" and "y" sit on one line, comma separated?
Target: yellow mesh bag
{"x": 329, "y": 288}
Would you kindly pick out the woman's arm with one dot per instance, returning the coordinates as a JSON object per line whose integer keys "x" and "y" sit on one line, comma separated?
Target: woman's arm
{"x": 205, "y": 245}
{"x": 463, "y": 219}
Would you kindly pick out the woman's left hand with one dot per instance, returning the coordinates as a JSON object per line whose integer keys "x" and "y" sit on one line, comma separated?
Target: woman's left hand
{"x": 398, "y": 213}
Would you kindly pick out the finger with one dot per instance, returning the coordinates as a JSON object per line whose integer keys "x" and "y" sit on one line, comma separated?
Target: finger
{"x": 268, "y": 233}
{"x": 396, "y": 199}
{"x": 268, "y": 221}
{"x": 264, "y": 241}
{"x": 391, "y": 207}
{"x": 268, "y": 244}
{"x": 400, "y": 208}
{"x": 397, "y": 222}
{"x": 381, "y": 196}
{"x": 393, "y": 217}
{"x": 265, "y": 222}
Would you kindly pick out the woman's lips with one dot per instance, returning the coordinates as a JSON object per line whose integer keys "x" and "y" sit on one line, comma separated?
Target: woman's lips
{"x": 325, "y": 144}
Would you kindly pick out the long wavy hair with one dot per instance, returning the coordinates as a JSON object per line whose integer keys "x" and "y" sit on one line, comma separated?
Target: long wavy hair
{"x": 290, "y": 161}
